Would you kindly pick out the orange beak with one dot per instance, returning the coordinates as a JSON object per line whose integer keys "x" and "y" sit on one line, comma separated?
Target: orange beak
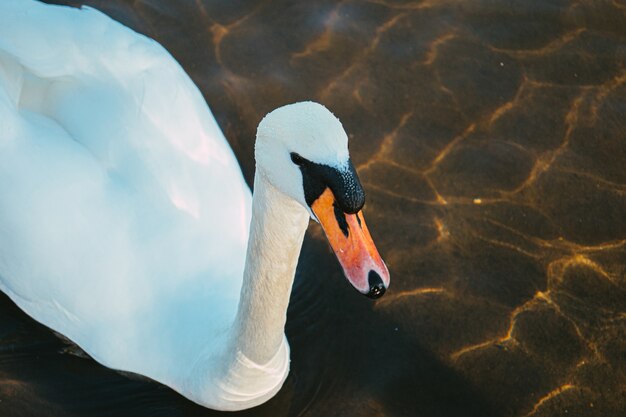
{"x": 353, "y": 245}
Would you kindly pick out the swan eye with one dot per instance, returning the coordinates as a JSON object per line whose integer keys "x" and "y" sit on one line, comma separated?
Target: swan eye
{"x": 297, "y": 159}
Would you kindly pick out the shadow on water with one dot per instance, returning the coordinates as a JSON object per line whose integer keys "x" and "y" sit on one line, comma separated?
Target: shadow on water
{"x": 363, "y": 361}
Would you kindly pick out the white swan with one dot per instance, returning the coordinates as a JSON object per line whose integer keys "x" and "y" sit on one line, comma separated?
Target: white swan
{"x": 124, "y": 217}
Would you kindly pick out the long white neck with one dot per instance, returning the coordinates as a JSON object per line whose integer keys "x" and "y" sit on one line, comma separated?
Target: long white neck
{"x": 276, "y": 233}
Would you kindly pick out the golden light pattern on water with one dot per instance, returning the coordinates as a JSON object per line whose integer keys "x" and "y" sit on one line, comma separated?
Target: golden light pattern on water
{"x": 489, "y": 141}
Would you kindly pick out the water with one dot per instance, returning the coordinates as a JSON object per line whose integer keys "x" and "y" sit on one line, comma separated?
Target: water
{"x": 489, "y": 136}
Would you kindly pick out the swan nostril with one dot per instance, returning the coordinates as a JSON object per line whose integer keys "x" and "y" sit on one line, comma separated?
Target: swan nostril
{"x": 377, "y": 288}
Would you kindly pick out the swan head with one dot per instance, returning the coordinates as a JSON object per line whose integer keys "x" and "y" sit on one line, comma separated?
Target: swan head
{"x": 302, "y": 150}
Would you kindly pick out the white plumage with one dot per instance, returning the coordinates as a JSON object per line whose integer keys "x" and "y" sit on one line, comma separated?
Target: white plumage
{"x": 124, "y": 212}
{"x": 124, "y": 216}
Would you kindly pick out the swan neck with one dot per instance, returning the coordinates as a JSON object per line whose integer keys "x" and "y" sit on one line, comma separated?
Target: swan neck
{"x": 276, "y": 232}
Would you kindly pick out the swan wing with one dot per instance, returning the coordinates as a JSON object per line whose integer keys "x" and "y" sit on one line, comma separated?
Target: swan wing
{"x": 124, "y": 214}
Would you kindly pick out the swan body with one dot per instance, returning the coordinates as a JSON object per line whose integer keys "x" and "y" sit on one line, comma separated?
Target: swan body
{"x": 125, "y": 222}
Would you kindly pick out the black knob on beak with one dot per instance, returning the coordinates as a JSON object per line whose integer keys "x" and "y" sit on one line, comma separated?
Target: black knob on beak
{"x": 377, "y": 288}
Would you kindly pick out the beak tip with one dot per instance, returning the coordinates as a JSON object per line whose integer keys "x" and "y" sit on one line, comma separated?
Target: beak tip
{"x": 376, "y": 292}
{"x": 377, "y": 287}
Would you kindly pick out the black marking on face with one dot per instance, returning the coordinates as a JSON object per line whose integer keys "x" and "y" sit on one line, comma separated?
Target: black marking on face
{"x": 358, "y": 219}
{"x": 341, "y": 220}
{"x": 297, "y": 159}
{"x": 344, "y": 184}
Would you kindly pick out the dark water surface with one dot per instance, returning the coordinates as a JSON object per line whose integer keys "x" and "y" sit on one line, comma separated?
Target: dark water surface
{"x": 490, "y": 138}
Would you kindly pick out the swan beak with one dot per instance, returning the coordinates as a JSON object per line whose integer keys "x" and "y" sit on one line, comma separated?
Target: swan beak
{"x": 353, "y": 245}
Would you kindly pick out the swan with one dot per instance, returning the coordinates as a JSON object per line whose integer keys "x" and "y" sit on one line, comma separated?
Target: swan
{"x": 125, "y": 221}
